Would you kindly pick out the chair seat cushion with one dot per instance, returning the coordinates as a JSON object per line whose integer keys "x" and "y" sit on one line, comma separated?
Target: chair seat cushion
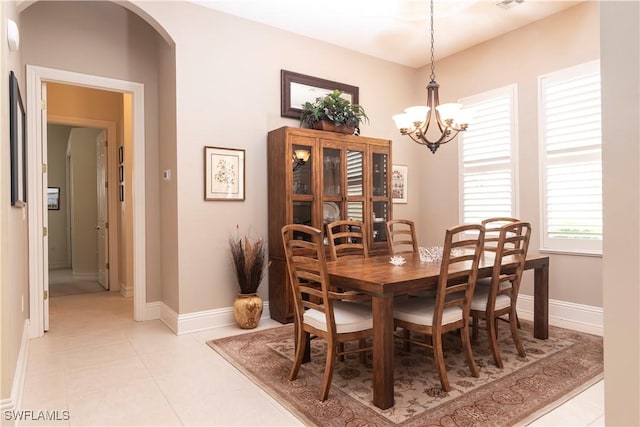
{"x": 349, "y": 317}
{"x": 481, "y": 296}
{"x": 419, "y": 310}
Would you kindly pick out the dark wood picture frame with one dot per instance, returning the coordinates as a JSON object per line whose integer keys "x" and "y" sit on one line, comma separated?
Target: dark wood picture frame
{"x": 296, "y": 89}
{"x": 17, "y": 144}
{"x": 53, "y": 198}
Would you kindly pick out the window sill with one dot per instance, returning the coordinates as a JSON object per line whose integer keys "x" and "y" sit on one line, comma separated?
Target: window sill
{"x": 573, "y": 253}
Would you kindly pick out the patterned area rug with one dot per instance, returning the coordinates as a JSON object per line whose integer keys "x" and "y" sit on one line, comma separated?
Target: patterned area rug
{"x": 553, "y": 371}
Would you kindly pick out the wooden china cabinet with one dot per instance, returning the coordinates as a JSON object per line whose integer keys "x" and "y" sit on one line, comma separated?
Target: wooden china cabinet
{"x": 345, "y": 177}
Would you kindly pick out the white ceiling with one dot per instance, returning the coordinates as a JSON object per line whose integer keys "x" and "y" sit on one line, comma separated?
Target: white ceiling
{"x": 394, "y": 30}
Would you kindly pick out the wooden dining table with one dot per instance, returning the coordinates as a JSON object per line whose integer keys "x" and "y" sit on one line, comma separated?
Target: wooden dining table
{"x": 382, "y": 280}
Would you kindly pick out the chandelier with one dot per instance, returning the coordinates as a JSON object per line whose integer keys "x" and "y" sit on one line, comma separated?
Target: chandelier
{"x": 450, "y": 118}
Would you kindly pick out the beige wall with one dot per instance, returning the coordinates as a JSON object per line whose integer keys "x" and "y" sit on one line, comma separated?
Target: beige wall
{"x": 14, "y": 290}
{"x": 168, "y": 162}
{"x": 84, "y": 206}
{"x": 620, "y": 44}
{"x": 57, "y": 139}
{"x": 563, "y": 40}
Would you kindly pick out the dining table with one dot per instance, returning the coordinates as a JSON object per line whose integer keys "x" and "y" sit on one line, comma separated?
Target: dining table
{"x": 383, "y": 281}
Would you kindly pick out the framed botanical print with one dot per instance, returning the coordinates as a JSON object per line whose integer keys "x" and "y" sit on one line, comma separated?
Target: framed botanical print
{"x": 223, "y": 173}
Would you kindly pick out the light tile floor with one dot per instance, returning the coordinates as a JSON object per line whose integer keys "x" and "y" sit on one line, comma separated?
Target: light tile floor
{"x": 106, "y": 369}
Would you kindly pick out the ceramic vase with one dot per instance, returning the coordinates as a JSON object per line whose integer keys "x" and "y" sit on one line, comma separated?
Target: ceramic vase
{"x": 247, "y": 309}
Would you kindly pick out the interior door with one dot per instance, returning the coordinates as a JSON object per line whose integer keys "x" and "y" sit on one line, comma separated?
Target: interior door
{"x": 45, "y": 211}
{"x": 101, "y": 228}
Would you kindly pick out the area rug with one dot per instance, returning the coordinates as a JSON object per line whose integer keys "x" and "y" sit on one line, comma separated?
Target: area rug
{"x": 552, "y": 371}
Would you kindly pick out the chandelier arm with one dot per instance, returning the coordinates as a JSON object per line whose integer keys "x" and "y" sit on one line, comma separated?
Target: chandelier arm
{"x": 420, "y": 138}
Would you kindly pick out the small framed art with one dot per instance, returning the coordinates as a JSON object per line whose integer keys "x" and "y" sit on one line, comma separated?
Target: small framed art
{"x": 223, "y": 173}
{"x": 399, "y": 183}
{"x": 53, "y": 198}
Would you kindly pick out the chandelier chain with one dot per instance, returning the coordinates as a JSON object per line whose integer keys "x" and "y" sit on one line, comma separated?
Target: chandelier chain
{"x": 433, "y": 73}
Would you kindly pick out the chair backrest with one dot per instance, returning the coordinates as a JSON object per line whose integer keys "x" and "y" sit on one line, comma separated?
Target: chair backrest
{"x": 461, "y": 253}
{"x": 492, "y": 228}
{"x": 401, "y": 236}
{"x": 308, "y": 278}
{"x": 347, "y": 239}
{"x": 511, "y": 254}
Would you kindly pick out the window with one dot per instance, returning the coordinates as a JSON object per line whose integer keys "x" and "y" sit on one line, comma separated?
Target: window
{"x": 488, "y": 157}
{"x": 571, "y": 159}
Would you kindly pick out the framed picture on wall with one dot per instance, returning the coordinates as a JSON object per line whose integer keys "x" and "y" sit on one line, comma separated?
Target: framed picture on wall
{"x": 53, "y": 198}
{"x": 223, "y": 173}
{"x": 17, "y": 144}
{"x": 399, "y": 183}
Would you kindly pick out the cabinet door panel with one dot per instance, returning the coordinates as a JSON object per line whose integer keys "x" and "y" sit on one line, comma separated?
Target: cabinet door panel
{"x": 302, "y": 175}
{"x": 380, "y": 172}
{"x": 331, "y": 171}
{"x": 381, "y": 215}
{"x": 355, "y": 173}
{"x": 303, "y": 213}
{"x": 355, "y": 211}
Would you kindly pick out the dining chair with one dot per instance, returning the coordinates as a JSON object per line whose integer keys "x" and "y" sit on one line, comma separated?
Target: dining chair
{"x": 492, "y": 228}
{"x": 401, "y": 236}
{"x": 500, "y": 299}
{"x": 319, "y": 310}
{"x": 347, "y": 240}
{"x": 449, "y": 310}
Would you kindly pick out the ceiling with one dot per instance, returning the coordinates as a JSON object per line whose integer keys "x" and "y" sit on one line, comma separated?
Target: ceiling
{"x": 393, "y": 30}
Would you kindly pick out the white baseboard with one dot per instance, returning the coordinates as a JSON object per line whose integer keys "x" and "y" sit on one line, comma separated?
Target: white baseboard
{"x": 152, "y": 310}
{"x": 197, "y": 321}
{"x": 63, "y": 266}
{"x": 85, "y": 276}
{"x": 126, "y": 291}
{"x": 578, "y": 317}
{"x": 14, "y": 402}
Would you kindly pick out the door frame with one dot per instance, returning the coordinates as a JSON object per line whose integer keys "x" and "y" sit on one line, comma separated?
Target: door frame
{"x": 37, "y": 75}
{"x": 112, "y": 177}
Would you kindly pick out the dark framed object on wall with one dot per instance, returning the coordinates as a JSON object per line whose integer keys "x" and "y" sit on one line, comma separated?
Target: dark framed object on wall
{"x": 296, "y": 89}
{"x": 17, "y": 144}
{"x": 53, "y": 198}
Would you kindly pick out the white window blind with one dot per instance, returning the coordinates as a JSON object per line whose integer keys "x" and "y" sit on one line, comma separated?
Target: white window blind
{"x": 571, "y": 160}
{"x": 487, "y": 157}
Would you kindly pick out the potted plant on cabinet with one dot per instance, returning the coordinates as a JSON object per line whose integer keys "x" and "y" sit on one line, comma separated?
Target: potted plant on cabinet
{"x": 249, "y": 260}
{"x": 333, "y": 113}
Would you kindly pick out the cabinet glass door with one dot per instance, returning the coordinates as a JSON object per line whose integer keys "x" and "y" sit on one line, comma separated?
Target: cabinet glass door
{"x": 355, "y": 211}
{"x": 355, "y": 174}
{"x": 331, "y": 171}
{"x": 302, "y": 214}
{"x": 380, "y": 218}
{"x": 301, "y": 183}
{"x": 380, "y": 169}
